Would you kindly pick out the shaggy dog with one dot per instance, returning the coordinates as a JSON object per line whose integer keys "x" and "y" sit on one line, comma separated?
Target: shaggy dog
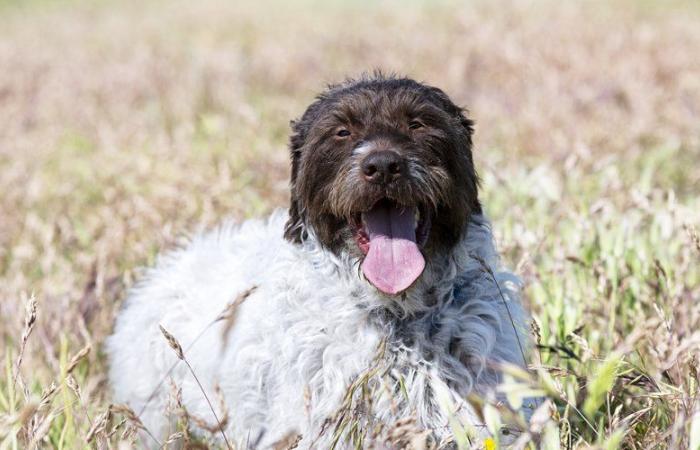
{"x": 377, "y": 297}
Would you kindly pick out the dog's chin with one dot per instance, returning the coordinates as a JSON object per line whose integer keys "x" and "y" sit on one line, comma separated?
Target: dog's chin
{"x": 390, "y": 238}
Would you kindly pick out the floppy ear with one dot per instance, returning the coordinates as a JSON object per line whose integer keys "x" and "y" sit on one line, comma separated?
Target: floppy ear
{"x": 468, "y": 126}
{"x": 294, "y": 229}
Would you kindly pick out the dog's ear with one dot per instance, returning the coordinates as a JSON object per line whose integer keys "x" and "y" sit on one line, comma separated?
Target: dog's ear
{"x": 294, "y": 229}
{"x": 467, "y": 131}
{"x": 468, "y": 126}
{"x": 455, "y": 111}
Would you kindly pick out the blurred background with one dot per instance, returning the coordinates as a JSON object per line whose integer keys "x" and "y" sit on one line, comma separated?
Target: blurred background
{"x": 127, "y": 125}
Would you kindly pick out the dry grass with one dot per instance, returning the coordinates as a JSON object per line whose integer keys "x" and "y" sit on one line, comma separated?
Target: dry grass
{"x": 123, "y": 126}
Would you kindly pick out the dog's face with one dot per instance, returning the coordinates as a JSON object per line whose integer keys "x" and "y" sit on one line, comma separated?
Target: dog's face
{"x": 382, "y": 168}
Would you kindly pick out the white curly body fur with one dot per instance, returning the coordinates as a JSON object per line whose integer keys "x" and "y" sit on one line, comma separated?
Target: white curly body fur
{"x": 312, "y": 326}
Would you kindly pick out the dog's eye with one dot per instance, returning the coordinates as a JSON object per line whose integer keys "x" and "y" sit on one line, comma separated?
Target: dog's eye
{"x": 343, "y": 133}
{"x": 414, "y": 125}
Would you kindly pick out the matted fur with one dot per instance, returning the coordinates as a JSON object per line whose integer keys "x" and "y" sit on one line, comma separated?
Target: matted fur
{"x": 316, "y": 349}
{"x": 308, "y": 330}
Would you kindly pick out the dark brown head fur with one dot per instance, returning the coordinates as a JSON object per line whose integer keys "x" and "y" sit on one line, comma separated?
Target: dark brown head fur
{"x": 429, "y": 136}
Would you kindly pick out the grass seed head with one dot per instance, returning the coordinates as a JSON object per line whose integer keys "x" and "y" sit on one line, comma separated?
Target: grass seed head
{"x": 172, "y": 342}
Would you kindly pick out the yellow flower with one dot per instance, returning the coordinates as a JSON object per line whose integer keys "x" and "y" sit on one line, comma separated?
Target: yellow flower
{"x": 489, "y": 444}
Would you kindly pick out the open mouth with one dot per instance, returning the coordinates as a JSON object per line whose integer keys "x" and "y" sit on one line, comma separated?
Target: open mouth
{"x": 390, "y": 235}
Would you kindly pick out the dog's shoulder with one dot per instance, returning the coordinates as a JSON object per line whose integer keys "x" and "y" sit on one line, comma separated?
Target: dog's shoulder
{"x": 191, "y": 285}
{"x": 242, "y": 249}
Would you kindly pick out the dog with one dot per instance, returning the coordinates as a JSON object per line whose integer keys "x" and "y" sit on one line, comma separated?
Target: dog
{"x": 378, "y": 298}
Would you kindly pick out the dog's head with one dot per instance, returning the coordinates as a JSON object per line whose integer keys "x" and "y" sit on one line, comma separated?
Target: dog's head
{"x": 382, "y": 168}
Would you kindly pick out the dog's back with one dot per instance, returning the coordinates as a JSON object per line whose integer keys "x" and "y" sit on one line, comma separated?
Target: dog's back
{"x": 299, "y": 340}
{"x": 188, "y": 292}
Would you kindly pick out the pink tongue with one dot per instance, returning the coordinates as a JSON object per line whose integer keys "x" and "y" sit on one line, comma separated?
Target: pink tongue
{"x": 393, "y": 261}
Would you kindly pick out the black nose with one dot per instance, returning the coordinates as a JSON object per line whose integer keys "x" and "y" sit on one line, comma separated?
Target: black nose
{"x": 383, "y": 167}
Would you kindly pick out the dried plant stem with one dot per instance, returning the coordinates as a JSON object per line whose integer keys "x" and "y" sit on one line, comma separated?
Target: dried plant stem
{"x": 488, "y": 270}
{"x": 228, "y": 314}
{"x": 177, "y": 348}
{"x": 134, "y": 419}
{"x": 211, "y": 407}
{"x": 29, "y": 322}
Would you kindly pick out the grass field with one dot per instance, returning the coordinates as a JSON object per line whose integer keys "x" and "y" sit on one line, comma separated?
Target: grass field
{"x": 124, "y": 126}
